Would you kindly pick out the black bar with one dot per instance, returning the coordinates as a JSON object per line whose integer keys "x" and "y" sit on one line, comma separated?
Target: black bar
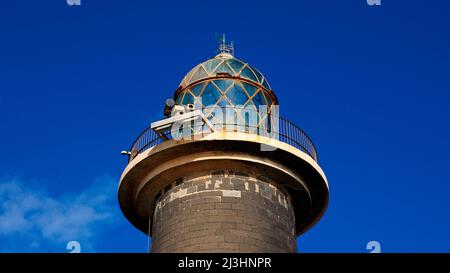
{"x": 225, "y": 262}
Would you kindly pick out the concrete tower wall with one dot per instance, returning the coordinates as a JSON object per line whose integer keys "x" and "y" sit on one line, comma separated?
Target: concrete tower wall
{"x": 223, "y": 211}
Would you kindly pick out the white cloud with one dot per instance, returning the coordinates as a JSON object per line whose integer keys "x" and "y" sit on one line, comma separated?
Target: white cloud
{"x": 33, "y": 221}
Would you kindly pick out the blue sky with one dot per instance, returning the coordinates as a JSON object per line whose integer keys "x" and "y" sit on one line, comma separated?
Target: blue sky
{"x": 370, "y": 85}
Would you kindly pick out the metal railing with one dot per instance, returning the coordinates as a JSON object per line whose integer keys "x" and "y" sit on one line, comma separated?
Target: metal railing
{"x": 276, "y": 127}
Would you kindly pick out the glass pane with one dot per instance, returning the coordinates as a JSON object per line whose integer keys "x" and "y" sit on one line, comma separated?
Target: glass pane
{"x": 233, "y": 73}
{"x": 210, "y": 95}
{"x": 236, "y": 65}
{"x": 258, "y": 99}
{"x": 223, "y": 102}
{"x": 196, "y": 89}
{"x": 250, "y": 106}
{"x": 266, "y": 85}
{"x": 248, "y": 74}
{"x": 211, "y": 65}
{"x": 185, "y": 81}
{"x": 251, "y": 89}
{"x": 258, "y": 75}
{"x": 223, "y": 84}
{"x": 199, "y": 74}
{"x": 268, "y": 99}
{"x": 224, "y": 68}
{"x": 188, "y": 98}
{"x": 263, "y": 96}
{"x": 236, "y": 95}
{"x": 179, "y": 98}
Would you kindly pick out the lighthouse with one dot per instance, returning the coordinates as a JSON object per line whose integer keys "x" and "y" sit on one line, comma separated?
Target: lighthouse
{"x": 222, "y": 170}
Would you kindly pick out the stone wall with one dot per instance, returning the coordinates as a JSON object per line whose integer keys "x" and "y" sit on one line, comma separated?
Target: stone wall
{"x": 223, "y": 211}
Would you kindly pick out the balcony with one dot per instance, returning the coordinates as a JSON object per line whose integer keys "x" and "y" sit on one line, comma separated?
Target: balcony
{"x": 274, "y": 127}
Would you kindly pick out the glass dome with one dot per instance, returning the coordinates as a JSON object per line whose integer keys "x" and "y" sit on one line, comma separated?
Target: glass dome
{"x": 226, "y": 82}
{"x": 224, "y": 64}
{"x": 224, "y": 92}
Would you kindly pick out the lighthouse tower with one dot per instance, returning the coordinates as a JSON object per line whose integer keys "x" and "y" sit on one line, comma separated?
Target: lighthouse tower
{"x": 222, "y": 171}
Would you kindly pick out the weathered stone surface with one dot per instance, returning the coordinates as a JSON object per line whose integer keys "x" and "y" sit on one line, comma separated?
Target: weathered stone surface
{"x": 223, "y": 211}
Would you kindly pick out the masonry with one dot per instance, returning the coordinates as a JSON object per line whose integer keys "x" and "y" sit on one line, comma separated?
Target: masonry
{"x": 223, "y": 211}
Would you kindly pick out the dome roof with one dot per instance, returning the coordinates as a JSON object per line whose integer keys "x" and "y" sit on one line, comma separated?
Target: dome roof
{"x": 224, "y": 63}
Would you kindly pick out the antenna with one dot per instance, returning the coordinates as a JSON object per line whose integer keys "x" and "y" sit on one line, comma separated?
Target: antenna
{"x": 223, "y": 47}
